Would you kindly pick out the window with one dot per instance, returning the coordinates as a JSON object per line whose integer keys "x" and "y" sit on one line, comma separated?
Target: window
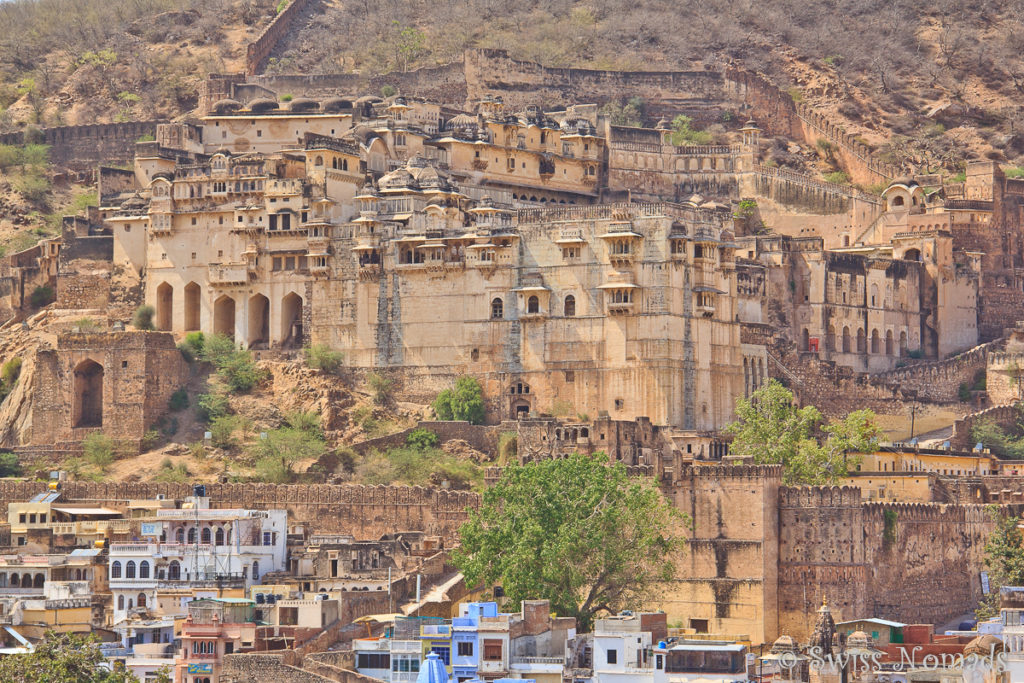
{"x": 570, "y": 376}
{"x": 570, "y": 306}
{"x": 497, "y": 309}
{"x": 533, "y": 305}
{"x": 443, "y": 653}
{"x": 613, "y": 656}
{"x": 115, "y": 570}
{"x": 120, "y": 602}
{"x": 373, "y": 660}
{"x": 129, "y": 570}
{"x": 266, "y": 538}
{"x": 492, "y": 650}
{"x": 144, "y": 570}
{"x": 619, "y": 403}
{"x": 465, "y": 649}
{"x": 21, "y": 518}
{"x": 570, "y": 252}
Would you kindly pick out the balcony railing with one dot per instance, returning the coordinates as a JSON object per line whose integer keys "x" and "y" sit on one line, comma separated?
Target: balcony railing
{"x": 228, "y": 273}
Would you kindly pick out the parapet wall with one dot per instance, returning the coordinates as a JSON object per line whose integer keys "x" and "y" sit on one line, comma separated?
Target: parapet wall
{"x": 83, "y": 147}
{"x": 1004, "y": 416}
{"x": 939, "y": 381}
{"x": 1004, "y": 376}
{"x": 257, "y": 51}
{"x": 365, "y": 512}
{"x": 913, "y": 562}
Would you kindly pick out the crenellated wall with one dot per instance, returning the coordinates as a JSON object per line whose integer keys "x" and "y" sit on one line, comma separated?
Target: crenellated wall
{"x": 1004, "y": 415}
{"x": 83, "y": 147}
{"x": 912, "y": 562}
{"x": 256, "y": 52}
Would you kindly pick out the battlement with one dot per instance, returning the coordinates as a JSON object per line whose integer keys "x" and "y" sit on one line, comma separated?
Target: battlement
{"x": 819, "y": 496}
{"x": 766, "y": 472}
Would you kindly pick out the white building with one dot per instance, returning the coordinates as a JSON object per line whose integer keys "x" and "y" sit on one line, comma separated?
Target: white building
{"x": 196, "y": 546}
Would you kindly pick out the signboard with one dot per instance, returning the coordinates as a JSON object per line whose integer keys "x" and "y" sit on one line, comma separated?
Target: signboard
{"x": 984, "y": 583}
{"x": 200, "y": 668}
{"x": 151, "y": 528}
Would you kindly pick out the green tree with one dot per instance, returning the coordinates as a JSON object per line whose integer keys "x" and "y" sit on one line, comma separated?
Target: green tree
{"x": 41, "y": 296}
{"x": 99, "y": 450}
{"x": 774, "y": 431}
{"x": 277, "y": 454}
{"x": 464, "y": 402}
{"x": 683, "y": 132}
{"x": 422, "y": 439}
{"x": 322, "y": 357}
{"x": 62, "y": 658}
{"x": 9, "y": 465}
{"x": 1004, "y": 559}
{"x": 381, "y": 386}
{"x": 577, "y": 531}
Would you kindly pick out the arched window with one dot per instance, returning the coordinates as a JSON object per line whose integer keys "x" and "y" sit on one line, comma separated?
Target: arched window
{"x": 120, "y": 602}
{"x": 875, "y": 342}
{"x": 255, "y": 571}
{"x": 15, "y": 581}
{"x": 174, "y": 571}
{"x": 179, "y": 536}
{"x": 129, "y": 569}
{"x": 533, "y": 305}
{"x": 206, "y": 535}
{"x": 319, "y": 161}
{"x": 497, "y": 309}
{"x": 570, "y": 306}
{"x": 141, "y": 600}
{"x": 192, "y": 535}
{"x": 846, "y": 339}
{"x": 861, "y": 341}
{"x": 39, "y": 581}
{"x": 115, "y": 570}
{"x": 219, "y": 536}
{"x": 144, "y": 569}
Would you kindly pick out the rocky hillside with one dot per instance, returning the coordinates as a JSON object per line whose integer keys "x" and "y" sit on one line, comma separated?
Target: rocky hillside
{"x": 925, "y": 83}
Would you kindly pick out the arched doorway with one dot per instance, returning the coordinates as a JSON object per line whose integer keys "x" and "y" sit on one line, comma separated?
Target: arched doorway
{"x": 259, "y": 321}
{"x": 291, "y": 320}
{"x": 192, "y": 306}
{"x": 224, "y": 316}
{"x": 164, "y": 306}
{"x": 88, "y": 403}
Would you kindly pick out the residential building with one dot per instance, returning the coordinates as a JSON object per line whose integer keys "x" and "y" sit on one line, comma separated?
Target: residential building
{"x": 215, "y": 627}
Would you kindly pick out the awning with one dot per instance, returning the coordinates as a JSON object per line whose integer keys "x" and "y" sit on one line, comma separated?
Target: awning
{"x": 571, "y": 240}
{"x": 87, "y": 511}
{"x": 620, "y": 285}
{"x": 531, "y": 289}
{"x": 610, "y": 235}
{"x": 702, "y": 288}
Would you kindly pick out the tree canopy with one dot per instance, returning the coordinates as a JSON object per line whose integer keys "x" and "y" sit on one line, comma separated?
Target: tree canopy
{"x": 775, "y": 431}
{"x": 465, "y": 402}
{"x": 64, "y": 658}
{"x": 577, "y": 531}
{"x": 1004, "y": 558}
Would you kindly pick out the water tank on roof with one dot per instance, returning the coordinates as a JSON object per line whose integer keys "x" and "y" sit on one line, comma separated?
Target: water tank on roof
{"x": 260, "y": 598}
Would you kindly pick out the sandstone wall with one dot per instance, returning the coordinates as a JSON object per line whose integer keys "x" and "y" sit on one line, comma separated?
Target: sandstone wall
{"x": 365, "y": 512}
{"x": 256, "y": 52}
{"x": 1004, "y": 415}
{"x": 1004, "y": 376}
{"x": 912, "y": 562}
{"x": 83, "y": 147}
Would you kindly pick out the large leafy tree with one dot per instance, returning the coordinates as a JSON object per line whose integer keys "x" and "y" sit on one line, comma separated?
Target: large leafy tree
{"x": 1004, "y": 558}
{"x": 772, "y": 429}
{"x": 63, "y": 658}
{"x": 577, "y": 531}
{"x": 464, "y": 402}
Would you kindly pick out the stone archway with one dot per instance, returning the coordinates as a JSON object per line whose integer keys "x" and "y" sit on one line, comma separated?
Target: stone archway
{"x": 291, "y": 320}
{"x": 164, "y": 306}
{"x": 224, "y": 316}
{"x": 88, "y": 390}
{"x": 259, "y": 321}
{"x": 192, "y": 306}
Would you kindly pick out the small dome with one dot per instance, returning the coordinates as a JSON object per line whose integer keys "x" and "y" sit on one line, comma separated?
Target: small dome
{"x": 907, "y": 181}
{"x": 304, "y": 104}
{"x": 262, "y": 104}
{"x": 336, "y": 104}
{"x": 462, "y": 121}
{"x": 858, "y": 639}
{"x": 226, "y": 106}
{"x": 784, "y": 644}
{"x": 984, "y": 646}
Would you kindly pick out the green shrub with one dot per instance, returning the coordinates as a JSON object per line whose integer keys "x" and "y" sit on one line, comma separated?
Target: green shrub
{"x": 150, "y": 439}
{"x": 305, "y": 421}
{"x": 32, "y": 186}
{"x": 277, "y": 454}
{"x": 143, "y": 317}
{"x": 508, "y": 447}
{"x": 235, "y": 366}
{"x": 683, "y": 132}
{"x": 381, "y": 387}
{"x": 195, "y": 341}
{"x": 838, "y": 177}
{"x": 170, "y": 473}
{"x": 964, "y": 392}
{"x": 216, "y": 349}
{"x": 222, "y": 430}
{"x": 209, "y": 407}
{"x": 9, "y": 465}
{"x": 465, "y": 402}
{"x": 10, "y": 371}
{"x": 87, "y": 325}
{"x": 287, "y": 98}
{"x": 42, "y": 296}
{"x": 322, "y": 357}
{"x": 99, "y": 450}
{"x": 186, "y": 352}
{"x": 178, "y": 400}
{"x": 418, "y": 467}
{"x": 422, "y": 439}
{"x": 388, "y": 91}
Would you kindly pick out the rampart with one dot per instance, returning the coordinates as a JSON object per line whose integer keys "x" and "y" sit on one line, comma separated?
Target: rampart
{"x": 1004, "y": 416}
{"x": 939, "y": 381}
{"x": 362, "y": 511}
{"x": 912, "y": 562}
{"x": 257, "y": 51}
{"x": 1003, "y": 377}
{"x": 83, "y": 147}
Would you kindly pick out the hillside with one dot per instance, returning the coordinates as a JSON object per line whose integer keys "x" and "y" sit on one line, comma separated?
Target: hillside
{"x": 925, "y": 83}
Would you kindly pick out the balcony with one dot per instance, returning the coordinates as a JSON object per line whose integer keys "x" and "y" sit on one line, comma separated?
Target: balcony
{"x": 228, "y": 274}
